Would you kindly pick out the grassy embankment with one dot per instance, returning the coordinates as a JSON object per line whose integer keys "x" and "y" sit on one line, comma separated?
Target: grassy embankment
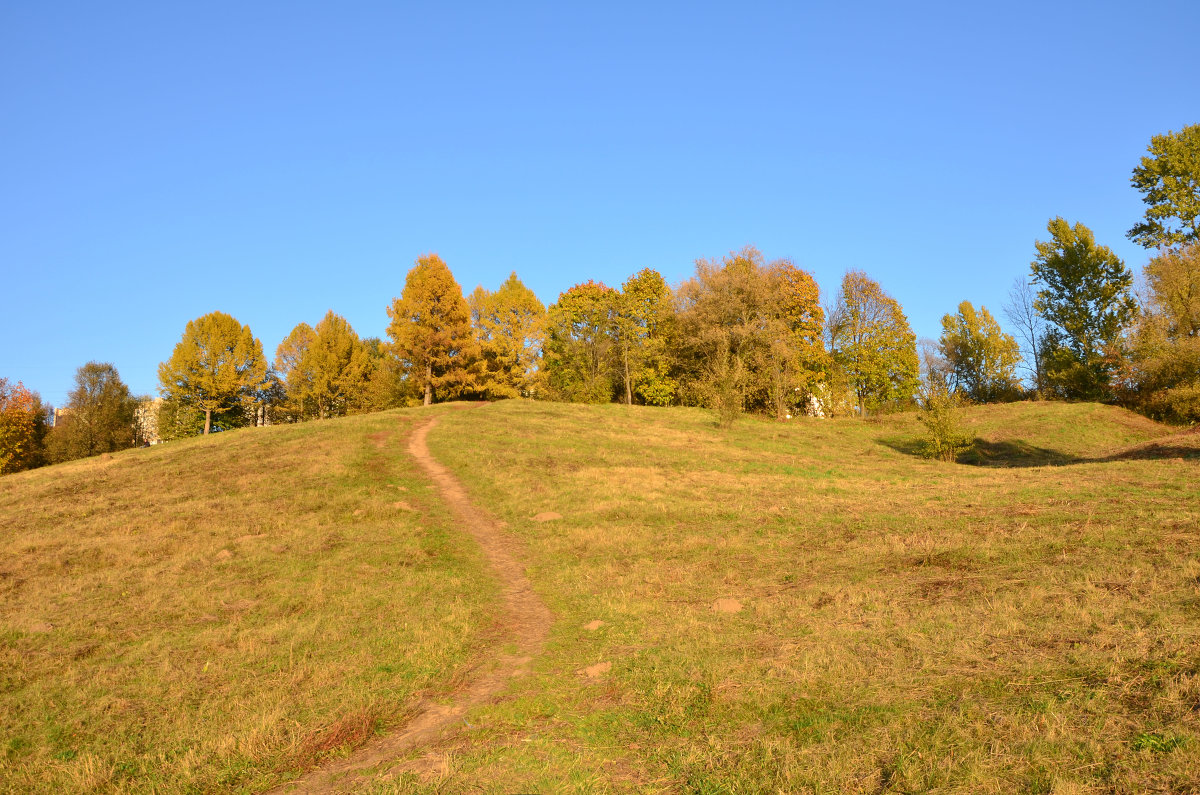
{"x": 216, "y": 614}
{"x": 905, "y": 625}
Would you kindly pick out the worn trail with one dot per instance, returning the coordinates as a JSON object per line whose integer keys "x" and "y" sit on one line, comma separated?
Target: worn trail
{"x": 525, "y": 623}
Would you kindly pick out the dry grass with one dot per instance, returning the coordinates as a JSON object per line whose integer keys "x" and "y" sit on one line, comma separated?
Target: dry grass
{"x": 1028, "y": 624}
{"x": 217, "y": 614}
{"x": 906, "y": 625}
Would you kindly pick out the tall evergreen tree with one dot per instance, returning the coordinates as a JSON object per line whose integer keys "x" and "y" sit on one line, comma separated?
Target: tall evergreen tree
{"x": 431, "y": 332}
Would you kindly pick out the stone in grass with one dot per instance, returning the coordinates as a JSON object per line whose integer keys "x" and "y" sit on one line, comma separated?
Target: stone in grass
{"x": 547, "y": 516}
{"x": 592, "y": 626}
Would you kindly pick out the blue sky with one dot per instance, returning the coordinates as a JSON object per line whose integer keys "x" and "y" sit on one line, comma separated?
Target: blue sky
{"x": 275, "y": 160}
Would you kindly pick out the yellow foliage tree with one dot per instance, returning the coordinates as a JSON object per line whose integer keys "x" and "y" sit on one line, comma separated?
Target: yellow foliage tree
{"x": 510, "y": 327}
{"x": 431, "y": 332}
{"x": 22, "y": 427}
{"x": 218, "y": 365}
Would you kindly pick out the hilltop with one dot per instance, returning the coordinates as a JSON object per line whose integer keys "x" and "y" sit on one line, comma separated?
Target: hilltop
{"x": 803, "y": 606}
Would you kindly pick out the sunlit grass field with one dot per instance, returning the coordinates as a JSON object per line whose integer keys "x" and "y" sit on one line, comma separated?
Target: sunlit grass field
{"x": 905, "y": 625}
{"x": 799, "y": 607}
{"x": 218, "y": 614}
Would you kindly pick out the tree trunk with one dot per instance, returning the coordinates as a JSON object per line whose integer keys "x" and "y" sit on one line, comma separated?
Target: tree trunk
{"x": 428, "y": 384}
{"x": 628, "y": 384}
{"x": 207, "y": 421}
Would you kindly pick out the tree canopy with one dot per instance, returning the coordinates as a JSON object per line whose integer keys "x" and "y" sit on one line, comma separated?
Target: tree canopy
{"x": 431, "y": 332}
{"x": 1084, "y": 294}
{"x": 510, "y": 326}
{"x": 981, "y": 359}
{"x": 871, "y": 341}
{"x": 1169, "y": 180}
{"x": 22, "y": 427}
{"x": 99, "y": 415}
{"x": 218, "y": 365}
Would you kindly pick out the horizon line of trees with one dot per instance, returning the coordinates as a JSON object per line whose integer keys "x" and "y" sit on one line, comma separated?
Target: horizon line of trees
{"x": 741, "y": 335}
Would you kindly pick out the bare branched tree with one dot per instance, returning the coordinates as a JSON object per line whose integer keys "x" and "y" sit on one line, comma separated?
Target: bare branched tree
{"x": 1031, "y": 328}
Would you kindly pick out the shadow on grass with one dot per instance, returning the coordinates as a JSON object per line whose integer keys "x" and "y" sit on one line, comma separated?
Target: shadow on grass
{"x": 1019, "y": 453}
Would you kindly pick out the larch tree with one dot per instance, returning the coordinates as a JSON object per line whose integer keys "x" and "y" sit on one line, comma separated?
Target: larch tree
{"x": 338, "y": 365}
{"x": 1084, "y": 295}
{"x": 871, "y": 341}
{"x": 217, "y": 366}
{"x": 1169, "y": 180}
{"x": 289, "y": 368}
{"x": 431, "y": 332}
{"x": 981, "y": 358}
{"x": 581, "y": 351}
{"x": 99, "y": 416}
{"x": 510, "y": 327}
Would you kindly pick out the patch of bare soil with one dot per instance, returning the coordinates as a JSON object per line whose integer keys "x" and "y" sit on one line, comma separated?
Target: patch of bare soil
{"x": 525, "y": 623}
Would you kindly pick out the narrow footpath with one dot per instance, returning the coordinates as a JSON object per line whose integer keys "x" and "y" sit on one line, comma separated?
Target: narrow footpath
{"x": 524, "y": 623}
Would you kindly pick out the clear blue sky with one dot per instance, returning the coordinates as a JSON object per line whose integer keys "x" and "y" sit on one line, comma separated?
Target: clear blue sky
{"x": 275, "y": 160}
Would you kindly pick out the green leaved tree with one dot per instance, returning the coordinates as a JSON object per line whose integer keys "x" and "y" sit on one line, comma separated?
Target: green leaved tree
{"x": 581, "y": 353}
{"x": 431, "y": 332}
{"x": 218, "y": 366}
{"x": 982, "y": 360}
{"x": 642, "y": 321}
{"x": 99, "y": 416}
{"x": 1084, "y": 295}
{"x": 1169, "y": 180}
{"x": 871, "y": 342}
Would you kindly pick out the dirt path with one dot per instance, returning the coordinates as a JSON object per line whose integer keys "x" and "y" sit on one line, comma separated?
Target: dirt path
{"x": 525, "y": 622}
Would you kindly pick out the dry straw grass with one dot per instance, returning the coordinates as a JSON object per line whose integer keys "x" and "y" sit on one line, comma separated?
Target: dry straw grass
{"x": 906, "y": 625}
{"x": 218, "y": 614}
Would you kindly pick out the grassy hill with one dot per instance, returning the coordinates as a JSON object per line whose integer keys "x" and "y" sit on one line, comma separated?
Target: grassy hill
{"x": 782, "y": 607}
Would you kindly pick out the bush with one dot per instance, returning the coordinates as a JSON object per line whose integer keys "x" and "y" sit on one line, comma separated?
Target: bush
{"x": 945, "y": 438}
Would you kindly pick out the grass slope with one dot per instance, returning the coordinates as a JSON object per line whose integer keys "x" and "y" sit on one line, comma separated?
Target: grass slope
{"x": 905, "y": 625}
{"x": 217, "y": 614}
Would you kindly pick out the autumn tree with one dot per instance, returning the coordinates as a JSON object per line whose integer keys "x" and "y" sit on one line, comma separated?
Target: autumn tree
{"x": 750, "y": 334}
{"x": 982, "y": 359}
{"x": 1084, "y": 295}
{"x": 1161, "y": 374}
{"x": 99, "y": 416}
{"x": 431, "y": 332}
{"x": 642, "y": 321}
{"x": 218, "y": 366}
{"x": 580, "y": 350}
{"x": 871, "y": 341}
{"x": 510, "y": 327}
{"x": 1169, "y": 180}
{"x": 325, "y": 368}
{"x": 23, "y": 427}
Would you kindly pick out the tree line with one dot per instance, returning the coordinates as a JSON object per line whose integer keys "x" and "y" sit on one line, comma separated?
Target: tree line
{"x": 742, "y": 335}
